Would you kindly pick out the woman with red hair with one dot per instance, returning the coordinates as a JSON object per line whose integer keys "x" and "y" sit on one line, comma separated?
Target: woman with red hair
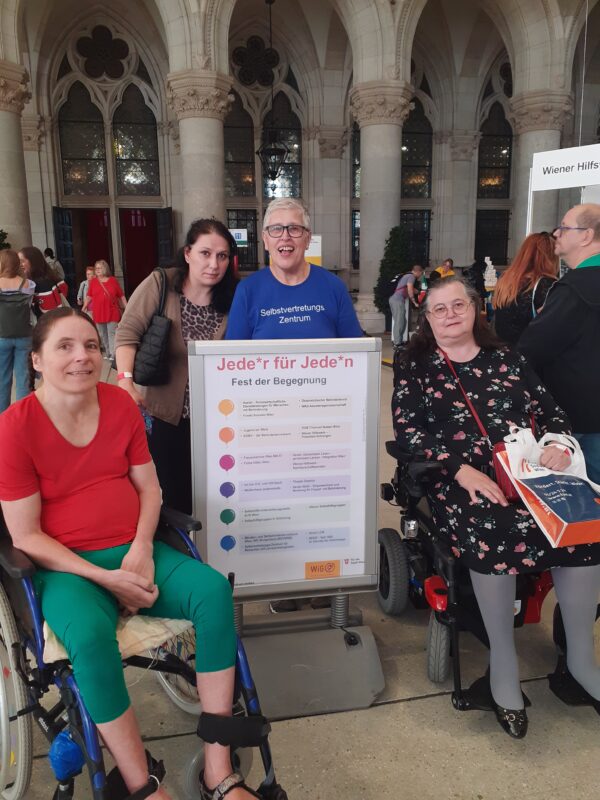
{"x": 522, "y": 289}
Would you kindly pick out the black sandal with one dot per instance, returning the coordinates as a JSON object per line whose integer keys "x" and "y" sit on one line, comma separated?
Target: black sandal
{"x": 233, "y": 781}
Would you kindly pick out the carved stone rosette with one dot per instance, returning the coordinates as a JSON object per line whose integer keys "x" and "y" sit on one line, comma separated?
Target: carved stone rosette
{"x": 332, "y": 141}
{"x": 14, "y": 87}
{"x": 33, "y": 130}
{"x": 540, "y": 111}
{"x": 381, "y": 102}
{"x": 464, "y": 144}
{"x": 191, "y": 93}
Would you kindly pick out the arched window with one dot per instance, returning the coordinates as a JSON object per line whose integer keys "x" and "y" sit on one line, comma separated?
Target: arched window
{"x": 417, "y": 148}
{"x": 82, "y": 144}
{"x": 495, "y": 153}
{"x": 239, "y": 152}
{"x": 135, "y": 146}
{"x": 289, "y": 130}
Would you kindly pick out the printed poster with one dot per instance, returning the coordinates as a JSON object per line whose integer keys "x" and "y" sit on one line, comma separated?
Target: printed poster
{"x": 286, "y": 465}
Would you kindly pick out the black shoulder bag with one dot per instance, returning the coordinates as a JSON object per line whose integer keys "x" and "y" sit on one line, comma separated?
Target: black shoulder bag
{"x": 150, "y": 367}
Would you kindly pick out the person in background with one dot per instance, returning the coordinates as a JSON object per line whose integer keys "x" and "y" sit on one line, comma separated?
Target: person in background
{"x": 446, "y": 270}
{"x": 563, "y": 343}
{"x": 290, "y": 281}
{"x": 54, "y": 263}
{"x": 16, "y": 295}
{"x": 104, "y": 290}
{"x": 473, "y": 275}
{"x": 266, "y": 305}
{"x": 50, "y": 290}
{"x": 522, "y": 288}
{"x": 404, "y": 295}
{"x": 200, "y": 289}
{"x": 83, "y": 290}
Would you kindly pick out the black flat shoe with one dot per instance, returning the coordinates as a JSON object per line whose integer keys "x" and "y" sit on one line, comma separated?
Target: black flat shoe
{"x": 513, "y": 722}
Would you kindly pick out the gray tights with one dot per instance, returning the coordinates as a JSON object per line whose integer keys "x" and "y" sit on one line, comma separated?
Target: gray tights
{"x": 577, "y": 592}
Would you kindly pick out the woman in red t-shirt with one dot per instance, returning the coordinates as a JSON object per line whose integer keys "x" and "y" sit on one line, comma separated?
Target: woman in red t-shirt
{"x": 80, "y": 496}
{"x": 105, "y": 292}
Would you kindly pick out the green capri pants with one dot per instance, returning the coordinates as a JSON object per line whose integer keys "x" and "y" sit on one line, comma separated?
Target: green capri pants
{"x": 84, "y": 617}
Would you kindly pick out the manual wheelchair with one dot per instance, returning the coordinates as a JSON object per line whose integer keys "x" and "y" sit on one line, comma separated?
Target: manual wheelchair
{"x": 419, "y": 566}
{"x": 72, "y": 736}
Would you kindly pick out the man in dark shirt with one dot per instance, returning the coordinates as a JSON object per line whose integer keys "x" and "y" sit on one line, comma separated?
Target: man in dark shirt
{"x": 563, "y": 342}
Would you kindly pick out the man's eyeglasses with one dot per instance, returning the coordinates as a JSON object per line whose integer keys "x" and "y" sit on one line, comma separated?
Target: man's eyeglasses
{"x": 276, "y": 231}
{"x": 458, "y": 307}
{"x": 560, "y": 228}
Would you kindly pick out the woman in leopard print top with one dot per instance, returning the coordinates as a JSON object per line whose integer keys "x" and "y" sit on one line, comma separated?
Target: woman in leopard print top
{"x": 200, "y": 291}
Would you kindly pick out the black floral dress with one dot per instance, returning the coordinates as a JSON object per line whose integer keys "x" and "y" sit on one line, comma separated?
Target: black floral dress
{"x": 430, "y": 414}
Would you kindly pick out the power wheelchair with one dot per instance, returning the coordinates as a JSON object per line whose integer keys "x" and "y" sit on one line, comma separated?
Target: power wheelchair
{"x": 72, "y": 736}
{"x": 418, "y": 566}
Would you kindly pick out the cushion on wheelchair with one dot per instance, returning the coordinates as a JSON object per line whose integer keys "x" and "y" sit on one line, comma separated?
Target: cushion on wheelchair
{"x": 135, "y": 635}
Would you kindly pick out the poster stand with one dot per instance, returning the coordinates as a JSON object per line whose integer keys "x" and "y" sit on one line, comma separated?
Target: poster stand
{"x": 285, "y": 440}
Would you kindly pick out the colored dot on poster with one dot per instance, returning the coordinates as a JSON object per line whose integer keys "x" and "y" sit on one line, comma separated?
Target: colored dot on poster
{"x": 227, "y": 489}
{"x": 227, "y": 435}
{"x": 226, "y": 407}
{"x": 227, "y": 462}
{"x": 228, "y": 543}
{"x": 227, "y": 516}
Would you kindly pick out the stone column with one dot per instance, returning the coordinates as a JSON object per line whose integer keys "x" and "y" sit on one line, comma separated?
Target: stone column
{"x": 14, "y": 206}
{"x": 33, "y": 128}
{"x": 331, "y": 207}
{"x": 201, "y": 101}
{"x": 380, "y": 108}
{"x": 538, "y": 119}
{"x": 455, "y": 193}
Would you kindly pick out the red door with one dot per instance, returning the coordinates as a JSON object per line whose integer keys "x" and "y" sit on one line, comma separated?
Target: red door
{"x": 139, "y": 242}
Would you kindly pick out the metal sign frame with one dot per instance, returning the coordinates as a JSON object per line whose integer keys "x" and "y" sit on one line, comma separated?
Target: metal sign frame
{"x": 203, "y": 421}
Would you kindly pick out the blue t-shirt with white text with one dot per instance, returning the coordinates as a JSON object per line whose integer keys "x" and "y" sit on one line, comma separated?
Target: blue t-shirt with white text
{"x": 318, "y": 308}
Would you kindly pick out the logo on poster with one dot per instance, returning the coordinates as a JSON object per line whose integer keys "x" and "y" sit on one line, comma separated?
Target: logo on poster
{"x": 321, "y": 569}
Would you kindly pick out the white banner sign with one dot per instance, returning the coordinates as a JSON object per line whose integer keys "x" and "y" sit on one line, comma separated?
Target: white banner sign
{"x": 562, "y": 169}
{"x": 283, "y": 469}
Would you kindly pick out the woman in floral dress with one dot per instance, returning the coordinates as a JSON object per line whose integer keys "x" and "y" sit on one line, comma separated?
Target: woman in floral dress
{"x": 494, "y": 539}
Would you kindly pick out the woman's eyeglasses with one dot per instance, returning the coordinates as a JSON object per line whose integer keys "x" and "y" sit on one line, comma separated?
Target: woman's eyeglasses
{"x": 276, "y": 231}
{"x": 458, "y": 307}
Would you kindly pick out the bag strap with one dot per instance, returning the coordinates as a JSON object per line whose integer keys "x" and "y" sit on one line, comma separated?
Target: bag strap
{"x": 533, "y": 308}
{"x": 470, "y": 404}
{"x": 465, "y": 395}
{"x": 163, "y": 291}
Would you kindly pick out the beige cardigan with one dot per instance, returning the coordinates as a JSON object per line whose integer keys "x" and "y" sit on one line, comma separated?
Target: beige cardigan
{"x": 164, "y": 402}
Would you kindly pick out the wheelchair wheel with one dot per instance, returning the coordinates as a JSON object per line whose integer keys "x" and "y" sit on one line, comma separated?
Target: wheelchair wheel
{"x": 438, "y": 650}
{"x": 16, "y": 743}
{"x": 241, "y": 761}
{"x": 183, "y": 694}
{"x": 392, "y": 592}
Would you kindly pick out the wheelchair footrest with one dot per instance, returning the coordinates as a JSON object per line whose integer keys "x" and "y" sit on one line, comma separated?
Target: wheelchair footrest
{"x": 478, "y": 697}
{"x": 117, "y": 790}
{"x": 234, "y": 731}
{"x": 567, "y": 689}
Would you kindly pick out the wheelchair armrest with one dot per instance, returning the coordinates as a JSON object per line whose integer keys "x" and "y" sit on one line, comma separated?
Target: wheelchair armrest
{"x": 395, "y": 451}
{"x": 177, "y": 519}
{"x": 14, "y": 562}
{"x": 419, "y": 471}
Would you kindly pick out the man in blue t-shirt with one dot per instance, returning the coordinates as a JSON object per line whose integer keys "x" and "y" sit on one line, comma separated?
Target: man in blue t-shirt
{"x": 291, "y": 299}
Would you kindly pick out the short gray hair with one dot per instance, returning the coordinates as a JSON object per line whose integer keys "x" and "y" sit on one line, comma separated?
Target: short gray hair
{"x": 287, "y": 203}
